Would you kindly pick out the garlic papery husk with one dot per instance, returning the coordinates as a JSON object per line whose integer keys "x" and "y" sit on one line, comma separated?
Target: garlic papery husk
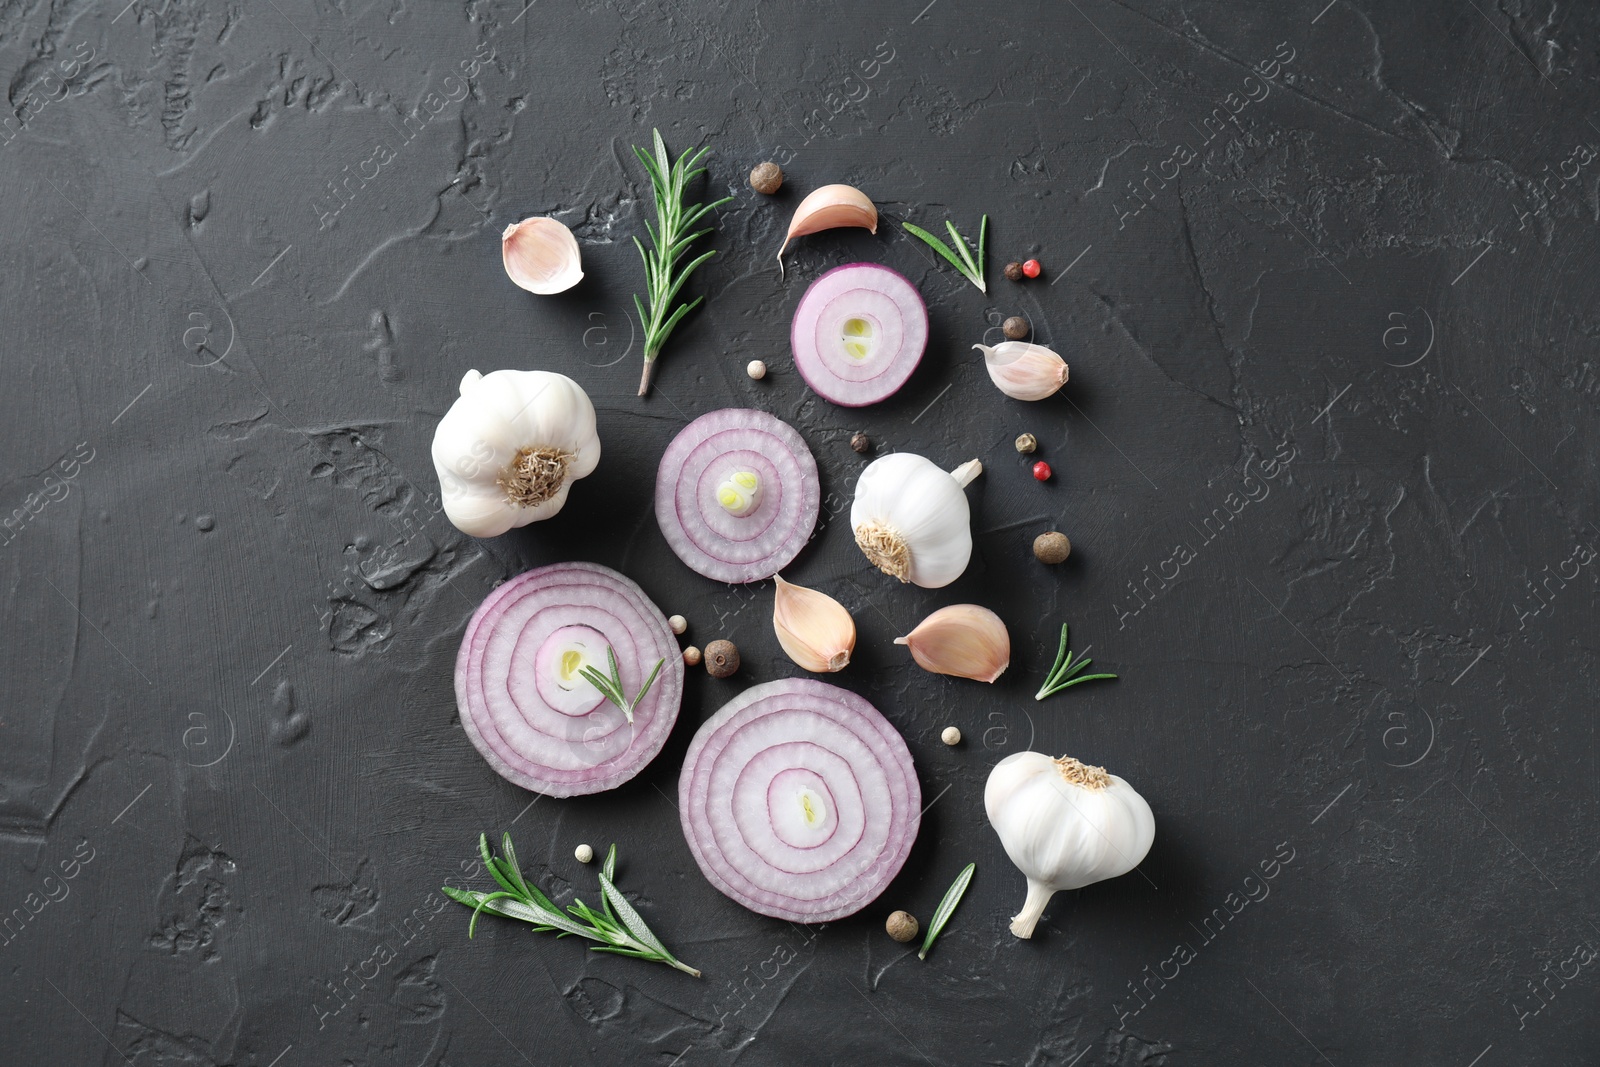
{"x": 813, "y": 628}
{"x": 1024, "y": 371}
{"x": 1065, "y": 825}
{"x": 828, "y": 207}
{"x": 911, "y": 518}
{"x": 541, "y": 256}
{"x": 510, "y": 447}
{"x": 964, "y": 640}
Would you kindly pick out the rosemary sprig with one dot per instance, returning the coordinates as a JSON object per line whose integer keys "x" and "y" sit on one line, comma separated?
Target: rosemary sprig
{"x": 611, "y": 688}
{"x": 961, "y": 257}
{"x": 619, "y": 929}
{"x": 670, "y": 237}
{"x": 1065, "y": 672}
{"x": 947, "y": 907}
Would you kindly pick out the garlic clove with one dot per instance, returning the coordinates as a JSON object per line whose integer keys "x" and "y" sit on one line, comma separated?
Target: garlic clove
{"x": 814, "y": 629}
{"x": 1024, "y": 371}
{"x": 541, "y": 256}
{"x": 963, "y": 640}
{"x": 828, "y": 207}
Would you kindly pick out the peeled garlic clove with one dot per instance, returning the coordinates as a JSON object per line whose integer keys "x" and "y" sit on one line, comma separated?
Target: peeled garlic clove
{"x": 541, "y": 256}
{"x": 965, "y": 640}
{"x": 1024, "y": 371}
{"x": 813, "y": 628}
{"x": 830, "y": 206}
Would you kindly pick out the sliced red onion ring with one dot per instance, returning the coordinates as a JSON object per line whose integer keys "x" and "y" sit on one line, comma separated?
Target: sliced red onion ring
{"x": 858, "y": 333}
{"x": 737, "y": 494}
{"x": 799, "y": 800}
{"x": 524, "y": 704}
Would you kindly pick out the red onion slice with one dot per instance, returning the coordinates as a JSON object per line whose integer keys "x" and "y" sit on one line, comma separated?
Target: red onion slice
{"x": 799, "y": 800}
{"x": 524, "y": 705}
{"x": 858, "y": 333}
{"x": 768, "y": 525}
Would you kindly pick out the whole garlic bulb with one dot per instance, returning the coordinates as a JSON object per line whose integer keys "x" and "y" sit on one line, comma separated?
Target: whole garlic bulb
{"x": 510, "y": 447}
{"x": 1065, "y": 825}
{"x": 911, "y": 518}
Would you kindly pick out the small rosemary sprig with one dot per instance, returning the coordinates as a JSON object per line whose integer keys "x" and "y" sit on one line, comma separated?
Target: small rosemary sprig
{"x": 1065, "y": 672}
{"x": 961, "y": 258}
{"x": 670, "y": 237}
{"x": 947, "y": 907}
{"x": 620, "y": 929}
{"x": 611, "y": 688}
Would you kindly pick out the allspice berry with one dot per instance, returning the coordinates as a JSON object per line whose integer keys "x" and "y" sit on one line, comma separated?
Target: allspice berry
{"x": 691, "y": 656}
{"x": 1015, "y": 328}
{"x": 902, "y": 926}
{"x": 861, "y": 443}
{"x": 722, "y": 659}
{"x": 768, "y": 177}
{"x": 1052, "y": 547}
{"x": 1013, "y": 272}
{"x": 1026, "y": 443}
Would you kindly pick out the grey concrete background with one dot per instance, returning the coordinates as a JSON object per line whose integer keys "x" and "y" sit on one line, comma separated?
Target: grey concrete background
{"x": 1324, "y": 273}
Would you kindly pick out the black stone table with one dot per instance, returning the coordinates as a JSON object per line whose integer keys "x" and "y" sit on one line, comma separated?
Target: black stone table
{"x": 1325, "y": 274}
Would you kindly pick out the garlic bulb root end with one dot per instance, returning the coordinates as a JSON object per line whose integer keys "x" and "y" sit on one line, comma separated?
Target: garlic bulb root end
{"x": 885, "y": 548}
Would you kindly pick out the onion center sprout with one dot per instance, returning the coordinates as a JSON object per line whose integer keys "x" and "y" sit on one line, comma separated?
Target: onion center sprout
{"x": 812, "y": 809}
{"x": 857, "y": 337}
{"x": 534, "y": 475}
{"x": 885, "y": 548}
{"x": 740, "y": 493}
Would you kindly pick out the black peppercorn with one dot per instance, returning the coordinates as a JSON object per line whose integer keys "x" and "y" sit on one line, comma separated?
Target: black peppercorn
{"x": 1015, "y": 328}
{"x": 1013, "y": 272}
{"x": 861, "y": 443}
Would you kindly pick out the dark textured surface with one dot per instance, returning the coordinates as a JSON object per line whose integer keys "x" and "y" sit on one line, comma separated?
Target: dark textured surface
{"x": 1326, "y": 461}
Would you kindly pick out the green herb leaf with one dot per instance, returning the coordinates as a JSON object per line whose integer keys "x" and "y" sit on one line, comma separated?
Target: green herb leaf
{"x": 611, "y": 688}
{"x": 670, "y": 237}
{"x": 1066, "y": 671}
{"x": 960, "y": 257}
{"x": 947, "y": 908}
{"x": 621, "y": 929}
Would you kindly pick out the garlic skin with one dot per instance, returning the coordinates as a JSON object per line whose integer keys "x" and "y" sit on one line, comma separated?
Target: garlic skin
{"x": 541, "y": 256}
{"x": 1065, "y": 825}
{"x": 964, "y": 640}
{"x": 911, "y": 518}
{"x": 827, "y": 207}
{"x": 1024, "y": 371}
{"x": 814, "y": 629}
{"x": 510, "y": 447}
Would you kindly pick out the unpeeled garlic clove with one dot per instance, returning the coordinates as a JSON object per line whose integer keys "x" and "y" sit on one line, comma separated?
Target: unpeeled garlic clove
{"x": 541, "y": 256}
{"x": 813, "y": 628}
{"x": 830, "y": 206}
{"x": 1024, "y": 371}
{"x": 964, "y": 640}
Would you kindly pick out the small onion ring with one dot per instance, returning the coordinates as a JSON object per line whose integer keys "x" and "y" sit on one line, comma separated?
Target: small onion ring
{"x": 897, "y": 320}
{"x": 706, "y": 453}
{"x": 586, "y": 748}
{"x": 799, "y": 800}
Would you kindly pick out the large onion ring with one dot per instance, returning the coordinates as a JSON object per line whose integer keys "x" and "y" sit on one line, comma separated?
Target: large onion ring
{"x": 799, "y": 800}
{"x": 541, "y": 729}
{"x": 764, "y": 539}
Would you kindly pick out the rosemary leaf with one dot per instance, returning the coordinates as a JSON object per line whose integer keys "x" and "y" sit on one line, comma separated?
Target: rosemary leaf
{"x": 1066, "y": 671}
{"x": 947, "y": 908}
{"x": 670, "y": 236}
{"x": 960, "y": 257}
{"x": 621, "y": 929}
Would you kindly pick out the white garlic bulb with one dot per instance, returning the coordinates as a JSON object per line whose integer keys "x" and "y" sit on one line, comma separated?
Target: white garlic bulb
{"x": 510, "y": 447}
{"x": 911, "y": 518}
{"x": 1065, "y": 825}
